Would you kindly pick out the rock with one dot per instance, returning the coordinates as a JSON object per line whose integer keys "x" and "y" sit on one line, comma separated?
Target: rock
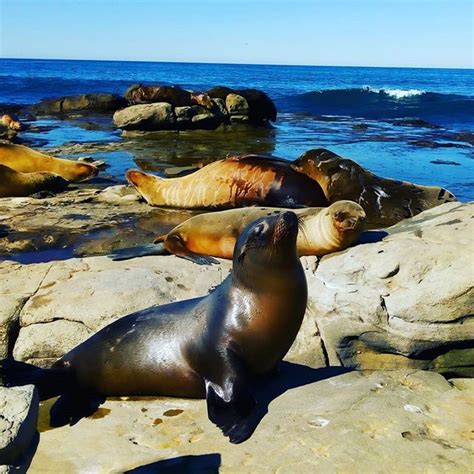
{"x": 219, "y": 109}
{"x": 239, "y": 119}
{"x": 261, "y": 107}
{"x": 403, "y": 302}
{"x": 196, "y": 117}
{"x": 18, "y": 435}
{"x": 157, "y": 116}
{"x": 236, "y": 105}
{"x": 80, "y": 296}
{"x": 80, "y": 103}
{"x": 120, "y": 194}
{"x": 402, "y": 421}
{"x": 6, "y": 133}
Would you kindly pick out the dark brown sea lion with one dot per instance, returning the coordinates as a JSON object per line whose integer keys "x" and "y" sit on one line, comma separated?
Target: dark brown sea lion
{"x": 210, "y": 346}
{"x": 173, "y": 95}
{"x": 17, "y": 184}
{"x": 234, "y": 182}
{"x": 385, "y": 201}
{"x": 322, "y": 230}
{"x": 26, "y": 160}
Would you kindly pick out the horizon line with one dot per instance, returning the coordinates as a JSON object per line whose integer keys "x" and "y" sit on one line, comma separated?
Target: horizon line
{"x": 234, "y": 64}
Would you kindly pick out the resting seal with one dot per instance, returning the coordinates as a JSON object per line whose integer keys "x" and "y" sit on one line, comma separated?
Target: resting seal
{"x": 10, "y": 123}
{"x": 210, "y": 346}
{"x": 17, "y": 184}
{"x": 322, "y": 230}
{"x": 26, "y": 160}
{"x": 234, "y": 182}
{"x": 385, "y": 201}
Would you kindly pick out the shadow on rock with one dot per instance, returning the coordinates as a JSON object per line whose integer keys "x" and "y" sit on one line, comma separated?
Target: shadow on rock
{"x": 204, "y": 463}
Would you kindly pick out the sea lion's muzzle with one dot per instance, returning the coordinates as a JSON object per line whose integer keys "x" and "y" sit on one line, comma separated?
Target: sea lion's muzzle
{"x": 286, "y": 225}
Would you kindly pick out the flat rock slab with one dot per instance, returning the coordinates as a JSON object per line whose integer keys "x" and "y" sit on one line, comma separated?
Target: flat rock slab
{"x": 401, "y": 421}
{"x": 18, "y": 419}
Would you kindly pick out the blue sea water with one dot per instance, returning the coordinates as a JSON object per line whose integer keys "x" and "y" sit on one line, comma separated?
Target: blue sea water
{"x": 363, "y": 113}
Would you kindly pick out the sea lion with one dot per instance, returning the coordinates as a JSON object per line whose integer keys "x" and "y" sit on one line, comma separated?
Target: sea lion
{"x": 210, "y": 346}
{"x": 17, "y": 184}
{"x": 26, "y": 160}
{"x": 174, "y": 95}
{"x": 10, "y": 123}
{"x": 234, "y": 182}
{"x": 385, "y": 201}
{"x": 322, "y": 230}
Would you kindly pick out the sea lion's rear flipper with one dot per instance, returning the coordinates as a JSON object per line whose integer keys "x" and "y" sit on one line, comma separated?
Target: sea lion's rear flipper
{"x": 200, "y": 259}
{"x": 72, "y": 406}
{"x": 230, "y": 402}
{"x": 138, "y": 251}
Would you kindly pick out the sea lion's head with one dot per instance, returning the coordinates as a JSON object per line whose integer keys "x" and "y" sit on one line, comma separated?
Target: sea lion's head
{"x": 83, "y": 171}
{"x": 145, "y": 184}
{"x": 266, "y": 245}
{"x": 347, "y": 219}
{"x": 338, "y": 177}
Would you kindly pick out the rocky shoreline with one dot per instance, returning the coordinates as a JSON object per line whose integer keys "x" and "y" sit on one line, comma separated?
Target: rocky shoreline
{"x": 390, "y": 308}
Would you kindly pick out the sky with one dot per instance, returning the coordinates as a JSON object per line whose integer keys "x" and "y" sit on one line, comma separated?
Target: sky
{"x": 399, "y": 33}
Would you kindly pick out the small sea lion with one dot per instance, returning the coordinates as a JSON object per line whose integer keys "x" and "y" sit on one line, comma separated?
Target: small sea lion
{"x": 27, "y": 160}
{"x": 212, "y": 346}
{"x": 9, "y": 122}
{"x": 322, "y": 230}
{"x": 234, "y": 182}
{"x": 17, "y": 184}
{"x": 385, "y": 201}
{"x": 174, "y": 95}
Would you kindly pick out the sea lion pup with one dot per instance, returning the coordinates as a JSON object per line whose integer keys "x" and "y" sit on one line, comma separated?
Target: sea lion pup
{"x": 322, "y": 230}
{"x": 17, "y": 184}
{"x": 385, "y": 201}
{"x": 210, "y": 346}
{"x": 233, "y": 182}
{"x": 26, "y": 160}
{"x": 9, "y": 122}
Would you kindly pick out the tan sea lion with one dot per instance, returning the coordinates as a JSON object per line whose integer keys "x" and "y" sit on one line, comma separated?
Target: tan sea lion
{"x": 234, "y": 182}
{"x": 26, "y": 160}
{"x": 9, "y": 122}
{"x": 210, "y": 346}
{"x": 17, "y": 184}
{"x": 385, "y": 201}
{"x": 322, "y": 230}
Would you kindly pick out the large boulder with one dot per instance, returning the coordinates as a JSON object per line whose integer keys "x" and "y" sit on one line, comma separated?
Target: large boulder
{"x": 197, "y": 117}
{"x": 101, "y": 103}
{"x": 157, "y": 116}
{"x": 18, "y": 435}
{"x": 236, "y": 105}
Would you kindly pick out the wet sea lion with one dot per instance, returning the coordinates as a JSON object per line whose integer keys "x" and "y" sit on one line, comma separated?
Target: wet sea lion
{"x": 322, "y": 230}
{"x": 174, "y": 95}
{"x": 385, "y": 201}
{"x": 9, "y": 122}
{"x": 210, "y": 346}
{"x": 26, "y": 160}
{"x": 234, "y": 182}
{"x": 17, "y": 184}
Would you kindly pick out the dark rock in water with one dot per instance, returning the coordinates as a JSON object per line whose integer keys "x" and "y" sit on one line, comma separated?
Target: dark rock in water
{"x": 467, "y": 137}
{"x": 220, "y": 92}
{"x": 159, "y": 116}
{"x": 261, "y": 107}
{"x": 414, "y": 122}
{"x": 100, "y": 103}
{"x": 360, "y": 126}
{"x": 6, "y": 133}
{"x": 433, "y": 144}
{"x": 444, "y": 162}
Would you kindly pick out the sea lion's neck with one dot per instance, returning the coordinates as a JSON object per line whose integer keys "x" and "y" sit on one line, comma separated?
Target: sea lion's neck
{"x": 319, "y": 232}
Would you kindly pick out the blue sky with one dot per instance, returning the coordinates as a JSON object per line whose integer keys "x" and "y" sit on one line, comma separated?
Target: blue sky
{"x": 415, "y": 33}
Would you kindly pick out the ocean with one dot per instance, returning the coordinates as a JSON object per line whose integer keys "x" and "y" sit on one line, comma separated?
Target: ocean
{"x": 408, "y": 124}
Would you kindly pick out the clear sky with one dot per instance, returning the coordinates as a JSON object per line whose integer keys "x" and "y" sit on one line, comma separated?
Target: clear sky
{"x": 413, "y": 33}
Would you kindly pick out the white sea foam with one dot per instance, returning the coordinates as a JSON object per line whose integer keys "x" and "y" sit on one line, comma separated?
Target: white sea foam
{"x": 396, "y": 93}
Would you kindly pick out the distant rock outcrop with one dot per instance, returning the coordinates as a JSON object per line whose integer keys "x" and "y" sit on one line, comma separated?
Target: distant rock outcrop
{"x": 100, "y": 103}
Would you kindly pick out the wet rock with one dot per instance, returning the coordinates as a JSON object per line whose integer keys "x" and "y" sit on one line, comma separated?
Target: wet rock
{"x": 157, "y": 116}
{"x": 100, "y": 103}
{"x": 236, "y": 105}
{"x": 405, "y": 421}
{"x": 445, "y": 162}
{"x": 18, "y": 435}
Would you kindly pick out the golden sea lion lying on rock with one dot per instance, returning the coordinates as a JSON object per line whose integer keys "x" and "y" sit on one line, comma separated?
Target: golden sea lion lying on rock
{"x": 10, "y": 123}
{"x": 234, "y": 182}
{"x": 385, "y": 201}
{"x": 17, "y": 184}
{"x": 26, "y": 160}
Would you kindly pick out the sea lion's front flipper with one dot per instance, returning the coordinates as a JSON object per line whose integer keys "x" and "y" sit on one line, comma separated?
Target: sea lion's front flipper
{"x": 230, "y": 402}
{"x": 138, "y": 251}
